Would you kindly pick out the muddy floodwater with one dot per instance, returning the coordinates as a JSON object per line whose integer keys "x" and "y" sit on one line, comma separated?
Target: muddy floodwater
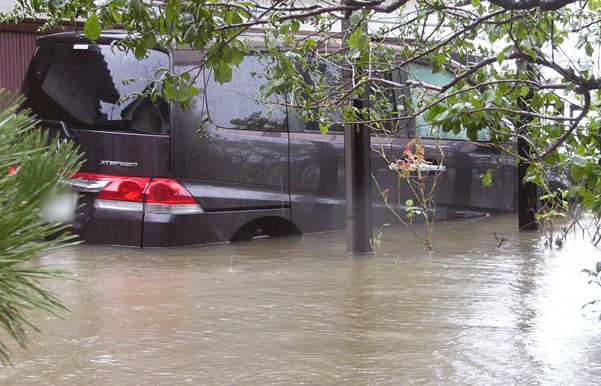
{"x": 301, "y": 311}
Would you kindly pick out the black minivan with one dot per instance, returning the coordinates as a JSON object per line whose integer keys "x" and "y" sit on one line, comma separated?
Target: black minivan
{"x": 150, "y": 180}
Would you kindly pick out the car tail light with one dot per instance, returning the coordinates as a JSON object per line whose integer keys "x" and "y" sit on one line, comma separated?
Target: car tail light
{"x": 169, "y": 196}
{"x": 125, "y": 189}
{"x": 114, "y": 192}
{"x": 157, "y": 195}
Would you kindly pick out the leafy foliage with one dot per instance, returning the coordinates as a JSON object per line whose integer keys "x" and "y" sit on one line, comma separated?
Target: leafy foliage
{"x": 414, "y": 172}
{"x": 595, "y": 278}
{"x": 504, "y": 61}
{"x": 31, "y": 171}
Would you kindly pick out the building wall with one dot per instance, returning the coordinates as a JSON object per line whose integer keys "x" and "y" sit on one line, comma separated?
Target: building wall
{"x": 16, "y": 49}
{"x": 17, "y": 45}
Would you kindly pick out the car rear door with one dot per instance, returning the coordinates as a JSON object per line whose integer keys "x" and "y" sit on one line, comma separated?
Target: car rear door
{"x": 94, "y": 95}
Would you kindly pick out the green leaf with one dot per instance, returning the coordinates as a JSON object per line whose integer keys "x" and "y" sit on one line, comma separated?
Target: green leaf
{"x": 487, "y": 179}
{"x": 588, "y": 48}
{"x": 219, "y": 21}
{"x": 530, "y": 52}
{"x": 356, "y": 18}
{"x": 245, "y": 14}
{"x": 92, "y": 28}
{"x": 501, "y": 56}
{"x": 579, "y": 161}
{"x": 409, "y": 202}
{"x": 524, "y": 91}
{"x": 135, "y": 7}
{"x": 354, "y": 38}
{"x": 324, "y": 127}
{"x": 354, "y": 53}
{"x": 116, "y": 15}
{"x": 222, "y": 73}
{"x": 226, "y": 54}
{"x": 295, "y": 26}
{"x": 232, "y": 17}
{"x": 169, "y": 91}
{"x": 150, "y": 41}
{"x": 161, "y": 70}
{"x": 363, "y": 42}
{"x": 237, "y": 57}
{"x": 140, "y": 52}
{"x": 191, "y": 34}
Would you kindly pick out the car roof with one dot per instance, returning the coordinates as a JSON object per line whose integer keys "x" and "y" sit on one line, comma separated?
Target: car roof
{"x": 79, "y": 37}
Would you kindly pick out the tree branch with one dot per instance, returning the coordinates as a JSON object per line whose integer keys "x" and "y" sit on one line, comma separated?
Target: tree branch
{"x": 543, "y": 5}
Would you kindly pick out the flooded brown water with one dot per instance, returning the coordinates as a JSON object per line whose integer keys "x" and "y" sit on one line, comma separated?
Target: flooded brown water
{"x": 301, "y": 311}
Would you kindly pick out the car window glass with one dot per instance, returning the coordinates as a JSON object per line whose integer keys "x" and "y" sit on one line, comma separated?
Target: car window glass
{"x": 237, "y": 105}
{"x": 90, "y": 86}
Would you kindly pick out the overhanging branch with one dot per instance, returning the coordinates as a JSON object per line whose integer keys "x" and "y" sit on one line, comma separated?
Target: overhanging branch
{"x": 543, "y": 5}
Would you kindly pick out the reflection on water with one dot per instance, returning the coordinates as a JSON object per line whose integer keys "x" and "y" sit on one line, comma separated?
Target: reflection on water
{"x": 299, "y": 310}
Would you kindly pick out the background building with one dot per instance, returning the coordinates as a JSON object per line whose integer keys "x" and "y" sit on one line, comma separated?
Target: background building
{"x": 17, "y": 43}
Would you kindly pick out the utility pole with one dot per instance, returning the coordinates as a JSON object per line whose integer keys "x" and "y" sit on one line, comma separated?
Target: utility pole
{"x": 527, "y": 191}
{"x": 357, "y": 164}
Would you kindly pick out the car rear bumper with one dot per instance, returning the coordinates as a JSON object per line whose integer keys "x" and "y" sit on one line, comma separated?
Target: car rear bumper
{"x": 140, "y": 229}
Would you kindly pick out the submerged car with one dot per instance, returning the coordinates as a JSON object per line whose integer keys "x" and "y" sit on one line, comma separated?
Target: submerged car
{"x": 150, "y": 180}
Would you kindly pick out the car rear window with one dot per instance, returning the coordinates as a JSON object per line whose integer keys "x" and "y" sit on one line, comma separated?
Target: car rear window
{"x": 96, "y": 87}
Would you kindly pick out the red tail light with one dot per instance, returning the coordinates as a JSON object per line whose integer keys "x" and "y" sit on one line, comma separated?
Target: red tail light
{"x": 131, "y": 189}
{"x": 168, "y": 196}
{"x": 167, "y": 191}
{"x": 120, "y": 188}
{"x": 159, "y": 195}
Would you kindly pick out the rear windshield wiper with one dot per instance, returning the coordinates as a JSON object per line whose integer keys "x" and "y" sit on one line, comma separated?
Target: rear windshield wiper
{"x": 66, "y": 129}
